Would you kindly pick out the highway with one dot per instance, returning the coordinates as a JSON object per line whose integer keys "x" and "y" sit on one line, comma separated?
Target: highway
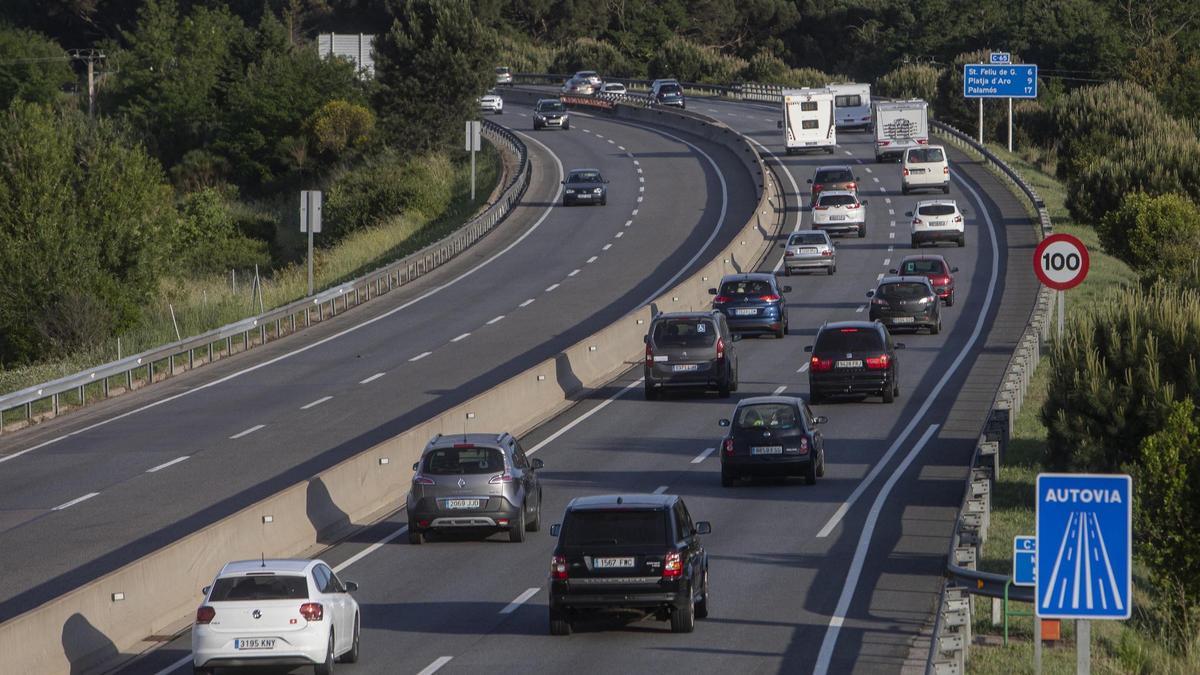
{"x": 99, "y": 488}
{"x": 840, "y": 577}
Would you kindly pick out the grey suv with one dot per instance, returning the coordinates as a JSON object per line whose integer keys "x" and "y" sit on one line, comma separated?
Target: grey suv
{"x": 690, "y": 349}
{"x": 481, "y": 482}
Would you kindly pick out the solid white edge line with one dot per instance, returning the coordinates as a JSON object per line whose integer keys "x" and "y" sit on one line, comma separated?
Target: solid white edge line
{"x": 73, "y": 502}
{"x": 420, "y": 356}
{"x": 164, "y": 465}
{"x": 937, "y": 388}
{"x": 660, "y": 489}
{"x": 519, "y": 600}
{"x": 372, "y": 378}
{"x": 703, "y": 455}
{"x": 494, "y": 320}
{"x": 316, "y": 402}
{"x": 795, "y": 191}
{"x": 270, "y": 362}
{"x": 779, "y": 389}
{"x": 371, "y": 549}
{"x": 825, "y": 655}
{"x": 247, "y": 432}
{"x": 604, "y": 404}
{"x": 175, "y": 666}
{"x": 436, "y": 665}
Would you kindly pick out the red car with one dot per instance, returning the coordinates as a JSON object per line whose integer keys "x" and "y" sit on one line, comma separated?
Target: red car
{"x": 935, "y": 267}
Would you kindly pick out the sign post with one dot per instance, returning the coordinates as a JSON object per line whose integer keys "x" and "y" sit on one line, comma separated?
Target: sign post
{"x": 310, "y": 222}
{"x": 473, "y": 129}
{"x": 1061, "y": 262}
{"x": 1084, "y": 567}
{"x": 1024, "y": 573}
{"x": 999, "y": 79}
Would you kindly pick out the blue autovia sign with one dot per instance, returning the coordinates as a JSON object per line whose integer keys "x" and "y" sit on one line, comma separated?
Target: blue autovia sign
{"x": 1005, "y": 80}
{"x": 1084, "y": 546}
{"x": 1024, "y": 561}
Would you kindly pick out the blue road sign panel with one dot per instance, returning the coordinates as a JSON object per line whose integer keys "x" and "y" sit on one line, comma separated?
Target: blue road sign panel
{"x": 1084, "y": 546}
{"x": 1017, "y": 80}
{"x": 1024, "y": 561}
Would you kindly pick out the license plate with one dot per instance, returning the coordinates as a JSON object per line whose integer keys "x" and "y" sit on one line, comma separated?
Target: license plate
{"x": 462, "y": 503}
{"x": 254, "y": 643}
{"x": 903, "y": 319}
{"x": 767, "y": 450}
{"x": 612, "y": 563}
{"x": 856, "y": 363}
{"x": 837, "y": 217}
{"x": 938, "y": 223}
{"x": 745, "y": 312}
{"x": 686, "y": 367}
{"x": 810, "y": 142}
{"x": 808, "y": 250}
{"x": 916, "y": 170}
{"x": 584, "y": 195}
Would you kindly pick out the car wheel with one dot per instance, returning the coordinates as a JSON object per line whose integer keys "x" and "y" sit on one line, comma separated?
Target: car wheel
{"x": 950, "y": 300}
{"x": 782, "y": 331}
{"x": 723, "y": 389}
{"x": 326, "y": 668}
{"x": 810, "y": 474}
{"x": 415, "y": 536}
{"x": 787, "y": 271}
{"x": 683, "y": 617}
{"x": 815, "y": 399}
{"x": 559, "y": 625}
{"x": 651, "y": 392}
{"x": 903, "y": 189}
{"x": 702, "y": 606}
{"x": 962, "y": 241}
{"x": 889, "y": 395}
{"x": 913, "y": 243}
{"x": 821, "y": 466}
{"x": 862, "y": 231}
{"x": 352, "y": 655}
{"x": 727, "y": 477}
{"x": 945, "y": 189}
{"x": 936, "y": 328}
{"x": 197, "y": 670}
{"x": 516, "y": 531}
{"x": 536, "y": 524}
{"x": 604, "y": 201}
{"x": 831, "y": 269}
{"x": 566, "y": 126}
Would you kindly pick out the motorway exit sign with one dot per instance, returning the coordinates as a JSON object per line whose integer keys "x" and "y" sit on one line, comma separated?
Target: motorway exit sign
{"x": 1007, "y": 80}
{"x": 1024, "y": 561}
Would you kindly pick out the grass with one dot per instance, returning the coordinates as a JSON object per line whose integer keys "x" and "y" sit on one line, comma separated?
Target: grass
{"x": 1140, "y": 645}
{"x": 203, "y": 303}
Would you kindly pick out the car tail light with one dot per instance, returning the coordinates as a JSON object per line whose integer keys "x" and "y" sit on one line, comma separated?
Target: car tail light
{"x": 817, "y": 187}
{"x": 728, "y": 446}
{"x": 720, "y": 349}
{"x": 922, "y": 141}
{"x": 420, "y": 479}
{"x": 312, "y": 611}
{"x": 852, "y": 186}
{"x": 882, "y": 143}
{"x": 649, "y": 355}
{"x": 941, "y": 281}
{"x": 804, "y": 445}
{"x": 945, "y": 170}
{"x": 770, "y": 297}
{"x": 819, "y": 365}
{"x": 877, "y": 362}
{"x": 423, "y": 523}
{"x": 879, "y": 301}
{"x": 958, "y": 219}
{"x": 505, "y": 477}
{"x": 721, "y": 299}
{"x": 827, "y": 252}
{"x": 205, "y": 614}
{"x": 855, "y": 205}
{"x": 558, "y": 568}
{"x": 788, "y": 253}
{"x": 673, "y": 565}
{"x": 917, "y": 221}
{"x": 904, "y": 171}
{"x": 849, "y": 330}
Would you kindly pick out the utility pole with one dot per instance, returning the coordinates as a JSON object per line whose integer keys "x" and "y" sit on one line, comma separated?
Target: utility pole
{"x": 91, "y": 56}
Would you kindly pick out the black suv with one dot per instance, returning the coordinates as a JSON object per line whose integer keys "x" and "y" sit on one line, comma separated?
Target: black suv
{"x": 906, "y": 302}
{"x": 636, "y": 552}
{"x": 772, "y": 436}
{"x": 853, "y": 357}
{"x": 690, "y": 349}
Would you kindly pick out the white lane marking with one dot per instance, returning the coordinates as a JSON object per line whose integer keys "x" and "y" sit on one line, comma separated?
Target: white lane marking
{"x": 886, "y": 261}
{"x": 316, "y": 403}
{"x": 879, "y": 277}
{"x": 887, "y": 200}
{"x": 495, "y": 320}
{"x": 1112, "y": 578}
{"x": 587, "y": 131}
{"x": 802, "y": 368}
{"x": 620, "y": 234}
{"x": 711, "y": 110}
{"x": 641, "y": 179}
{"x": 875, "y": 178}
{"x": 703, "y": 455}
{"x": 372, "y": 378}
{"x": 526, "y": 303}
{"x": 640, "y": 197}
{"x": 883, "y": 189}
{"x": 441, "y": 660}
{"x": 607, "y": 246}
{"x": 175, "y": 666}
{"x": 551, "y": 287}
{"x": 630, "y": 156}
{"x": 641, "y": 189}
{"x": 270, "y": 362}
{"x": 892, "y": 224}
{"x": 848, "y": 153}
{"x": 164, "y": 465}
{"x": 420, "y": 356}
{"x": 628, "y": 223}
{"x": 599, "y": 135}
{"x": 860, "y": 554}
{"x": 460, "y": 338}
{"x": 75, "y": 501}
{"x": 604, "y": 404}
{"x": 868, "y": 169}
{"x": 639, "y": 169}
{"x": 592, "y": 259}
{"x": 779, "y": 389}
{"x": 574, "y": 272}
{"x": 660, "y": 489}
{"x": 247, "y": 432}
{"x": 635, "y": 162}
{"x": 860, "y": 309}
{"x": 892, "y": 212}
{"x": 634, "y": 212}
{"x": 891, "y": 235}
{"x": 520, "y": 599}
{"x": 891, "y": 249}
{"x": 621, "y": 148}
{"x": 371, "y": 549}
{"x": 937, "y": 388}
{"x": 523, "y": 115}
{"x": 611, "y": 141}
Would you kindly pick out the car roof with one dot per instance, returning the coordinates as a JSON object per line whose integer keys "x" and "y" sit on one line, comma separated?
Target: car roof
{"x": 748, "y": 276}
{"x": 935, "y": 202}
{"x": 604, "y": 502}
{"x": 835, "y": 193}
{"x": 275, "y": 565}
{"x": 548, "y": 100}
{"x": 582, "y": 170}
{"x": 685, "y": 315}
{"x": 823, "y": 233}
{"x": 754, "y": 400}
{"x": 837, "y": 325}
{"x": 835, "y": 167}
{"x": 922, "y": 147}
{"x": 486, "y": 439}
{"x": 904, "y": 278}
{"x": 922, "y": 256}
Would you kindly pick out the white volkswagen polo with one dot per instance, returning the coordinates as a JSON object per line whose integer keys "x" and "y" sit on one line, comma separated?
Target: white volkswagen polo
{"x": 276, "y": 613}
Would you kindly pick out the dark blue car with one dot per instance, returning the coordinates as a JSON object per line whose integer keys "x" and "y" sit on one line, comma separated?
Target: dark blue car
{"x": 752, "y": 303}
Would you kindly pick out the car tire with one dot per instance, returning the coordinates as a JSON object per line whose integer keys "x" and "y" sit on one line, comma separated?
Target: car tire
{"x": 945, "y": 189}
{"x": 815, "y": 399}
{"x": 821, "y": 466}
{"x": 702, "y": 606}
{"x": 889, "y": 395}
{"x": 516, "y": 531}
{"x": 831, "y": 269}
{"x": 604, "y": 201}
{"x": 724, "y": 389}
{"x": 783, "y": 328}
{"x": 651, "y": 392}
{"x": 787, "y": 271}
{"x": 904, "y": 189}
{"x": 962, "y": 240}
{"x": 727, "y": 477}
{"x": 913, "y": 243}
{"x": 559, "y": 625}
{"x": 950, "y": 300}
{"x": 862, "y": 231}
{"x": 810, "y": 474}
{"x": 566, "y": 126}
{"x": 352, "y": 655}
{"x": 536, "y": 524}
{"x": 683, "y": 617}
{"x": 415, "y": 536}
{"x": 197, "y": 670}
{"x": 326, "y": 668}
{"x": 936, "y": 328}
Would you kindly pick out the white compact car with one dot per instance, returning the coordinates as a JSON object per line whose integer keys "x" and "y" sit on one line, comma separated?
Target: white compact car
{"x": 613, "y": 88}
{"x": 491, "y": 102}
{"x": 937, "y": 220}
{"x": 925, "y": 167}
{"x": 261, "y": 613}
{"x": 840, "y": 212}
{"x": 504, "y": 75}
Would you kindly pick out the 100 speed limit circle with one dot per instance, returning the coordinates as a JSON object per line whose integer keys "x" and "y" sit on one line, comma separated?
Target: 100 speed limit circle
{"x": 1061, "y": 261}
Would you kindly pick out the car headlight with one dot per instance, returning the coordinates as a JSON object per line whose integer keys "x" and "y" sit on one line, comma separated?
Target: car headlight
{"x": 570, "y": 191}
{"x": 598, "y": 190}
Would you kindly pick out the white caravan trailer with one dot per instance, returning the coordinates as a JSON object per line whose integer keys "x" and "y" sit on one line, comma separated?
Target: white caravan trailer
{"x": 900, "y": 125}
{"x": 808, "y": 120}
{"x": 852, "y": 105}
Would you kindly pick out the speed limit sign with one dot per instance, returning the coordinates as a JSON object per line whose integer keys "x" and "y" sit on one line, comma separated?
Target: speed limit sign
{"x": 1060, "y": 261}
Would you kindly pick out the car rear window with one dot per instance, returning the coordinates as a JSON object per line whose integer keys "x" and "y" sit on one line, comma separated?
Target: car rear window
{"x": 936, "y": 210}
{"x": 834, "y": 176}
{"x": 836, "y": 200}
{"x": 766, "y": 416}
{"x": 685, "y": 333}
{"x": 807, "y": 238}
{"x": 472, "y": 460}
{"x": 584, "y": 177}
{"x": 554, "y": 106}
{"x": 273, "y": 587}
{"x": 629, "y": 527}
{"x": 501, "y": 71}
{"x": 903, "y": 291}
{"x": 848, "y": 340}
{"x": 748, "y": 287}
{"x": 847, "y": 101}
{"x": 923, "y": 155}
{"x": 922, "y": 267}
{"x": 669, "y": 90}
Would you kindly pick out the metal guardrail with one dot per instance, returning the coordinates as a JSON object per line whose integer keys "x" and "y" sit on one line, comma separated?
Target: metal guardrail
{"x": 742, "y": 92}
{"x": 162, "y": 362}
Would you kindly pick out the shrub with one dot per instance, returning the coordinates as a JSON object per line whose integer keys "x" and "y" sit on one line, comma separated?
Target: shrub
{"x": 911, "y": 80}
{"x": 209, "y": 239}
{"x": 691, "y": 62}
{"x": 523, "y": 56}
{"x": 339, "y": 126}
{"x": 1148, "y": 164}
{"x": 199, "y": 169}
{"x": 587, "y": 53}
{"x": 32, "y": 67}
{"x": 384, "y": 186}
{"x": 1157, "y": 236}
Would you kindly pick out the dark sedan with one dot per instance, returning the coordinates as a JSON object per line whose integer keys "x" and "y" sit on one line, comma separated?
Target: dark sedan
{"x": 585, "y": 186}
{"x": 772, "y": 436}
{"x": 752, "y": 303}
{"x": 906, "y": 302}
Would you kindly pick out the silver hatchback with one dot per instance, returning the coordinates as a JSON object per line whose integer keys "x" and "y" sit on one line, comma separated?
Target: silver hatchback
{"x": 810, "y": 250}
{"x": 480, "y": 482}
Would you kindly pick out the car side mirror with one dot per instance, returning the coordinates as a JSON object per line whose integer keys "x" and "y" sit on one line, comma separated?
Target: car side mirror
{"x": 703, "y": 527}
{"x": 562, "y": 182}
{"x": 205, "y": 590}
{"x": 863, "y": 202}
{"x": 783, "y": 246}
{"x": 415, "y": 465}
{"x": 893, "y": 271}
{"x": 712, "y": 291}
{"x": 821, "y": 419}
{"x": 870, "y": 294}
{"x": 351, "y": 586}
{"x": 953, "y": 270}
{"x": 809, "y": 181}
{"x": 555, "y": 529}
{"x": 736, "y": 337}
{"x": 857, "y": 179}
{"x": 908, "y": 213}
{"x": 898, "y": 345}
{"x": 536, "y": 463}
{"x": 646, "y": 339}
{"x": 779, "y": 124}
{"x": 808, "y": 348}
{"x": 787, "y": 289}
{"x": 722, "y": 423}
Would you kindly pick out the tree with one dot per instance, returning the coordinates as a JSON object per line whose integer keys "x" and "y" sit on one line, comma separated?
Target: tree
{"x": 339, "y": 126}
{"x": 208, "y": 239}
{"x": 1157, "y": 236}
{"x": 32, "y": 67}
{"x": 911, "y": 80}
{"x": 432, "y": 64}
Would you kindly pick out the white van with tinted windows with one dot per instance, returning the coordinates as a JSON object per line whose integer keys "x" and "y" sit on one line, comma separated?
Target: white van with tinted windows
{"x": 852, "y": 105}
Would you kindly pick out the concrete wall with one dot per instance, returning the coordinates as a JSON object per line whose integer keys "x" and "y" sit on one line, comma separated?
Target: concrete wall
{"x": 86, "y": 628}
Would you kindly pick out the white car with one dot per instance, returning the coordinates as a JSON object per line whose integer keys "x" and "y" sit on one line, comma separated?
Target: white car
{"x": 491, "y": 102}
{"x": 578, "y": 87}
{"x": 937, "y": 220}
{"x": 840, "y": 212}
{"x": 504, "y": 75}
{"x": 925, "y": 167}
{"x": 613, "y": 88}
{"x": 262, "y": 613}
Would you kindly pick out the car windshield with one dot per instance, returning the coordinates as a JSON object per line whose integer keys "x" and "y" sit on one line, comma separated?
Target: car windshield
{"x": 766, "y": 416}
{"x": 584, "y": 177}
{"x": 747, "y": 287}
{"x": 807, "y": 238}
{"x": 502, "y": 71}
{"x": 670, "y": 90}
{"x": 272, "y": 587}
{"x": 552, "y": 106}
{"x": 936, "y": 209}
{"x": 837, "y": 200}
{"x": 923, "y": 155}
{"x": 834, "y": 176}
{"x": 614, "y": 528}
{"x": 848, "y": 340}
{"x": 922, "y": 267}
{"x": 903, "y": 291}
{"x": 467, "y": 460}
{"x": 685, "y": 333}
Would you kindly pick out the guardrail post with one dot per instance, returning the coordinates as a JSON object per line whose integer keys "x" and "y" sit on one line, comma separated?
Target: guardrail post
{"x": 170, "y": 364}
{"x": 210, "y": 352}
{"x": 149, "y": 372}
{"x": 129, "y": 380}
{"x": 229, "y": 345}
{"x": 55, "y": 397}
{"x": 191, "y": 359}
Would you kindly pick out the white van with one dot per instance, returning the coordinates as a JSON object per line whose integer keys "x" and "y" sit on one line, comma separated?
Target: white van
{"x": 852, "y": 105}
{"x": 925, "y": 167}
{"x": 808, "y": 120}
{"x": 900, "y": 125}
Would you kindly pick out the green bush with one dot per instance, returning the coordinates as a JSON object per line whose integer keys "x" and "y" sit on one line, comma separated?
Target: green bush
{"x": 385, "y": 186}
{"x": 339, "y": 126}
{"x": 587, "y": 53}
{"x": 32, "y": 67}
{"x": 209, "y": 239}
{"x": 1148, "y": 164}
{"x": 911, "y": 80}
{"x": 1157, "y": 236}
{"x": 691, "y": 62}
{"x": 524, "y": 56}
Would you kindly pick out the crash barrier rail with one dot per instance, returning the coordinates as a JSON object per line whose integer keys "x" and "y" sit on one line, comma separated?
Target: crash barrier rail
{"x": 154, "y": 365}
{"x": 748, "y": 91}
{"x": 951, "y": 636}
{"x": 90, "y": 626}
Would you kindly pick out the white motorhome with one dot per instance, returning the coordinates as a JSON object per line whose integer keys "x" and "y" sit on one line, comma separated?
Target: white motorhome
{"x": 852, "y": 105}
{"x": 900, "y": 125}
{"x": 808, "y": 120}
